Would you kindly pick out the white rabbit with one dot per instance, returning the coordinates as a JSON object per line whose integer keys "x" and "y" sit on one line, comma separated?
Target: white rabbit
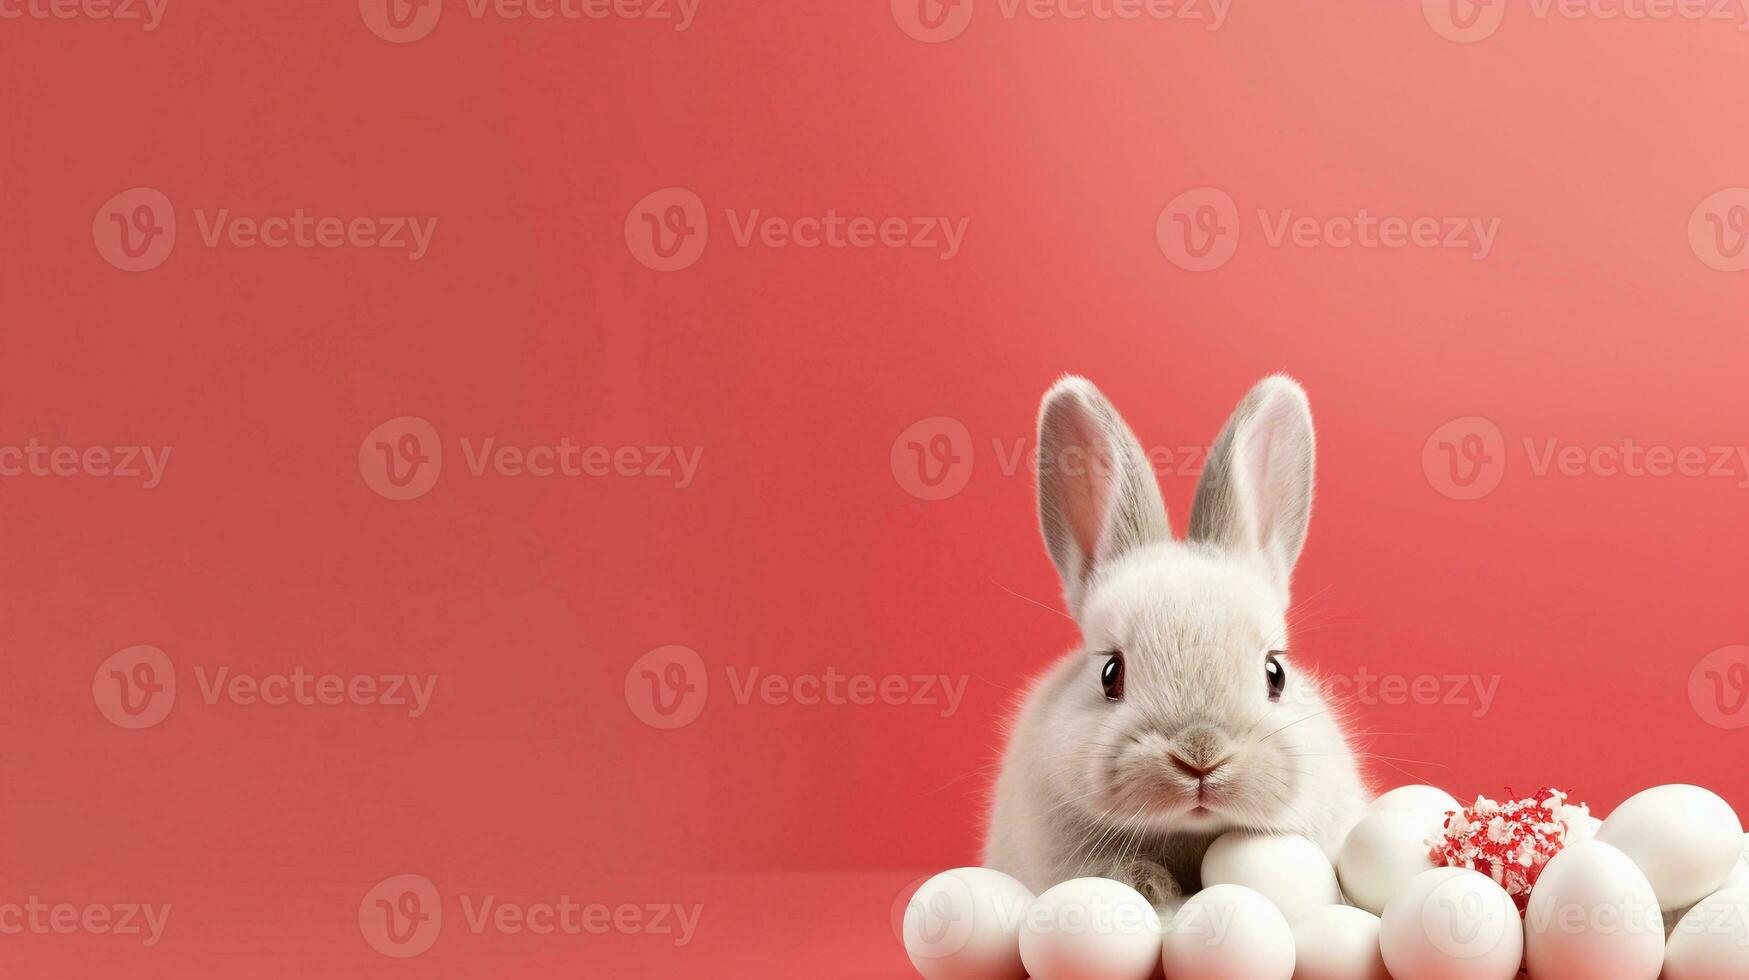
{"x": 1182, "y": 715}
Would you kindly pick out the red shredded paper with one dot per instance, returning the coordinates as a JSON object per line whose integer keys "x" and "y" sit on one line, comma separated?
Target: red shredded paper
{"x": 1509, "y": 842}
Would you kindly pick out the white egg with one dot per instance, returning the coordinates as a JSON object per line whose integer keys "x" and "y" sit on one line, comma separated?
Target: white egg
{"x": 1382, "y": 854}
{"x": 1684, "y": 838}
{"x": 1228, "y": 932}
{"x": 1289, "y": 870}
{"x": 1090, "y": 929}
{"x": 1712, "y": 940}
{"x": 1452, "y": 924}
{"x": 1417, "y": 799}
{"x": 1593, "y": 916}
{"x": 964, "y": 924}
{"x": 1337, "y": 942}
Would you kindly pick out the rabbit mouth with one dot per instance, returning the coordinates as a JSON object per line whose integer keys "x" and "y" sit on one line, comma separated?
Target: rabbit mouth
{"x": 1224, "y": 797}
{"x": 1173, "y": 798}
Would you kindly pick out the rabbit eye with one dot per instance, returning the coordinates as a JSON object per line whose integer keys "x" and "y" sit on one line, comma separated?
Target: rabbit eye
{"x": 1275, "y": 673}
{"x": 1111, "y": 677}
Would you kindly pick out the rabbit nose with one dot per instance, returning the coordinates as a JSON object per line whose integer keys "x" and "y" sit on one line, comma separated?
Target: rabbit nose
{"x": 1198, "y": 753}
{"x": 1195, "y": 771}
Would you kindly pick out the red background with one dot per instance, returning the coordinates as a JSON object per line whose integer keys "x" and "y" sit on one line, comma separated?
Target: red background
{"x": 798, "y": 548}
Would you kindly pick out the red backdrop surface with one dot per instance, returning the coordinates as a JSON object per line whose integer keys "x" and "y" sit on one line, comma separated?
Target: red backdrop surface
{"x": 1588, "y": 299}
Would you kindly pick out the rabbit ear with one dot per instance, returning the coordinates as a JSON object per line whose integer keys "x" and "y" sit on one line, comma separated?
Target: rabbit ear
{"x": 1097, "y": 497}
{"x": 1255, "y": 495}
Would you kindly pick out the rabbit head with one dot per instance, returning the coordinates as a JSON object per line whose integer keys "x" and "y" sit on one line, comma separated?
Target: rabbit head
{"x": 1184, "y": 708}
